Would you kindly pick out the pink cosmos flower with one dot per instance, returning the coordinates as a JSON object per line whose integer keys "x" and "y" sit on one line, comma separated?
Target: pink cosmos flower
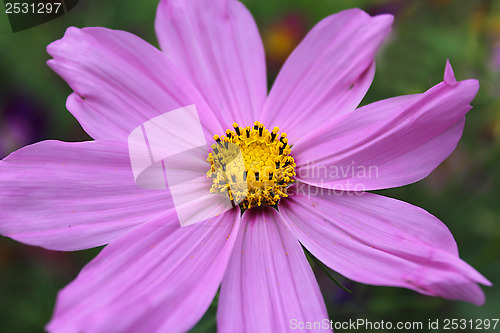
{"x": 156, "y": 276}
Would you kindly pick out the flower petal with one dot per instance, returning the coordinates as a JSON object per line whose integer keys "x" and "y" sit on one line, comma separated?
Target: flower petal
{"x": 73, "y": 196}
{"x": 217, "y": 45}
{"x": 269, "y": 285}
{"x": 389, "y": 143}
{"x": 381, "y": 241}
{"x": 120, "y": 81}
{"x": 159, "y": 278}
{"x": 328, "y": 74}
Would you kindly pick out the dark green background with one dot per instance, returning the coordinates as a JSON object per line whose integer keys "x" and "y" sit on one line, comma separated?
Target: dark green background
{"x": 463, "y": 191}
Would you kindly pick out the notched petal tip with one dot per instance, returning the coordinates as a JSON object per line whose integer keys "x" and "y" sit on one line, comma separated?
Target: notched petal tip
{"x": 449, "y": 75}
{"x": 50, "y": 63}
{"x": 387, "y": 19}
{"x": 52, "y": 47}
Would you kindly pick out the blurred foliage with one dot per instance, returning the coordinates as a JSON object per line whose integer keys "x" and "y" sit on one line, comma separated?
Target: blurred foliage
{"x": 463, "y": 191}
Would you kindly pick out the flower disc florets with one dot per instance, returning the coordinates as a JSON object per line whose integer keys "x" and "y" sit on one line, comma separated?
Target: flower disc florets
{"x": 251, "y": 165}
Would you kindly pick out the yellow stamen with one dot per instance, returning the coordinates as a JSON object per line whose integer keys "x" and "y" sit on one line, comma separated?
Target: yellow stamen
{"x": 251, "y": 165}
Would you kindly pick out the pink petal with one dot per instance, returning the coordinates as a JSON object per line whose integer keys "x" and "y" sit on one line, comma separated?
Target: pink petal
{"x": 381, "y": 241}
{"x": 389, "y": 143}
{"x": 120, "y": 81}
{"x": 159, "y": 278}
{"x": 73, "y": 196}
{"x": 217, "y": 45}
{"x": 269, "y": 283}
{"x": 328, "y": 74}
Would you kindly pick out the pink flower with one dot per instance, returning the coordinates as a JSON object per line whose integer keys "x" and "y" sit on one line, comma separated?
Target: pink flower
{"x": 155, "y": 276}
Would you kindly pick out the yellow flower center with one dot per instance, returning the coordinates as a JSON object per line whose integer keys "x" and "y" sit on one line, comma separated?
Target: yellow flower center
{"x": 251, "y": 165}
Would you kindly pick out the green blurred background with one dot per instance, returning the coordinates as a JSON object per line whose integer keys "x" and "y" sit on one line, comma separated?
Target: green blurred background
{"x": 463, "y": 191}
